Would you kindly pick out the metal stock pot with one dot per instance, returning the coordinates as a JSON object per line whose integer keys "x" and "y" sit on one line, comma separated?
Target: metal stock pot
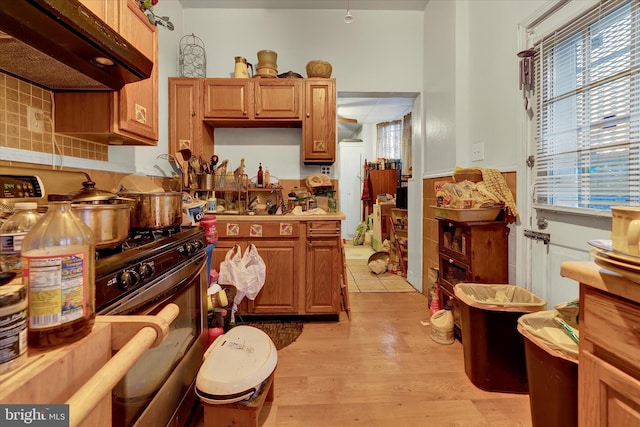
{"x": 155, "y": 210}
{"x": 106, "y": 214}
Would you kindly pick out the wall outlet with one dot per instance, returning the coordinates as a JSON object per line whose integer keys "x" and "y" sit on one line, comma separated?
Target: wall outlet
{"x": 477, "y": 152}
{"x": 35, "y": 121}
{"x": 326, "y": 170}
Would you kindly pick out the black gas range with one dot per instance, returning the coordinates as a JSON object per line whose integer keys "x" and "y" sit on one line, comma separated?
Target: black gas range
{"x": 144, "y": 258}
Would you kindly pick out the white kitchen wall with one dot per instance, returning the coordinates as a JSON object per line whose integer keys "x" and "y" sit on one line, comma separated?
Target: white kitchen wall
{"x": 471, "y": 89}
{"x": 439, "y": 88}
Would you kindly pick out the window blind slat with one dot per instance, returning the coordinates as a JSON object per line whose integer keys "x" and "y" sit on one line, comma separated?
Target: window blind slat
{"x": 588, "y": 110}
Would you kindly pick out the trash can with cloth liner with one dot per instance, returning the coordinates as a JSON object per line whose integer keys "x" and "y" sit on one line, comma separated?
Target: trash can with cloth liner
{"x": 494, "y": 358}
{"x": 552, "y": 365}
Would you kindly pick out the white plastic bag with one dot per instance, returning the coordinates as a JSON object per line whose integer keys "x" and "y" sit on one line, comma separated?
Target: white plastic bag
{"x": 246, "y": 272}
{"x": 256, "y": 267}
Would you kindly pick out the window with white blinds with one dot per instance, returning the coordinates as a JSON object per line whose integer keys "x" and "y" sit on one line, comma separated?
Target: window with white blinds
{"x": 588, "y": 110}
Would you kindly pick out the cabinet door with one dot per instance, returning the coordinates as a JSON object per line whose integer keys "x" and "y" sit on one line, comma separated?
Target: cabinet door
{"x": 280, "y": 291}
{"x": 319, "y": 124}
{"x": 607, "y": 396}
{"x": 184, "y": 115}
{"x": 323, "y": 276}
{"x": 279, "y": 294}
{"x": 278, "y": 99}
{"x": 383, "y": 181}
{"x": 129, "y": 116}
{"x": 219, "y": 254}
{"x": 138, "y": 102}
{"x": 228, "y": 99}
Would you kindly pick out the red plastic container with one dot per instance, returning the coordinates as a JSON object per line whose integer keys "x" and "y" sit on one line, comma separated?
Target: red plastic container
{"x": 208, "y": 222}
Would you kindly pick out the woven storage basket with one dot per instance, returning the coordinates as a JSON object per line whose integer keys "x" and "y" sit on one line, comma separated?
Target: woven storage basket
{"x": 319, "y": 68}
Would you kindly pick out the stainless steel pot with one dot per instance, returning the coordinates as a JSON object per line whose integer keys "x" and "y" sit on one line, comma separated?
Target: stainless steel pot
{"x": 106, "y": 214}
{"x": 155, "y": 210}
{"x": 109, "y": 222}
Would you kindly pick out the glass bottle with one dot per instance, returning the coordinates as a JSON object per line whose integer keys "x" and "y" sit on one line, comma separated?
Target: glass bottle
{"x": 260, "y": 177}
{"x": 58, "y": 270}
{"x": 12, "y": 233}
{"x": 267, "y": 178}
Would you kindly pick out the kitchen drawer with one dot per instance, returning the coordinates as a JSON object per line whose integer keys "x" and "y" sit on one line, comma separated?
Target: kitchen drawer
{"x": 323, "y": 229}
{"x": 452, "y": 272}
{"x": 257, "y": 230}
{"x": 613, "y": 324}
{"x": 454, "y": 239}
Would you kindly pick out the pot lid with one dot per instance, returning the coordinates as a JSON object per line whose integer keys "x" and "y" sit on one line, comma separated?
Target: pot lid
{"x": 90, "y": 193}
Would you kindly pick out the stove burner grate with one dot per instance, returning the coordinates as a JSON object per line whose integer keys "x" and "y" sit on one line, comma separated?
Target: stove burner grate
{"x": 105, "y": 252}
{"x": 144, "y": 236}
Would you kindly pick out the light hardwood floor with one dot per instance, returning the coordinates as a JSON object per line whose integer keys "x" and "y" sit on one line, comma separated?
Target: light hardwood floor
{"x": 361, "y": 279}
{"x": 381, "y": 369}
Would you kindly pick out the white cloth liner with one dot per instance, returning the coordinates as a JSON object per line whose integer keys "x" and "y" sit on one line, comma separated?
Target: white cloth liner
{"x": 543, "y": 330}
{"x": 499, "y": 297}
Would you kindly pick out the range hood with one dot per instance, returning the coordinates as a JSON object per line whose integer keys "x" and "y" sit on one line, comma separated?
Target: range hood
{"x": 61, "y": 45}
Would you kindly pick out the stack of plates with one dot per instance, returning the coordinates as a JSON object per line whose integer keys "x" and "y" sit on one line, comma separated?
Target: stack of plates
{"x": 618, "y": 262}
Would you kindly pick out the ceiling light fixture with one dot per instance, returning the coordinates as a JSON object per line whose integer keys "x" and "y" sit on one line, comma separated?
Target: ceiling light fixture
{"x": 347, "y": 17}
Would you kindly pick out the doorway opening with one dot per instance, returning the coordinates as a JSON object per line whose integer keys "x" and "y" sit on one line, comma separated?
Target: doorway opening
{"x": 358, "y": 114}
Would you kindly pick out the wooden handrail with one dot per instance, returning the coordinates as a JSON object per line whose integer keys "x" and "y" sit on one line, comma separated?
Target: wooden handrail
{"x": 102, "y": 382}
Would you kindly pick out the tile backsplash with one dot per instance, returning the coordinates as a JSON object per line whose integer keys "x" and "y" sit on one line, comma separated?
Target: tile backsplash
{"x": 15, "y": 96}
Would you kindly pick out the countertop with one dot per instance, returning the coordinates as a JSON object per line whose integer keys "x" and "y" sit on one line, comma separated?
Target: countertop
{"x": 334, "y": 216}
{"x": 591, "y": 274}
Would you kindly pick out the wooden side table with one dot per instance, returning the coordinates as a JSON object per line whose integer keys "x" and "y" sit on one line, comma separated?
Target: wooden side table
{"x": 239, "y": 414}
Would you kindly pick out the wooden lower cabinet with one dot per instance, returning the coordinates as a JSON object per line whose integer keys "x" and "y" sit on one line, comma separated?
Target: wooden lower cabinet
{"x": 322, "y": 273}
{"x": 279, "y": 294}
{"x": 609, "y": 360}
{"x": 302, "y": 269}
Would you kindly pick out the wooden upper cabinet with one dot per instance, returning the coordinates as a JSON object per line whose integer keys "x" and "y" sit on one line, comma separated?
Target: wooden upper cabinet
{"x": 138, "y": 102}
{"x": 319, "y": 124}
{"x": 278, "y": 99}
{"x": 228, "y": 98}
{"x": 129, "y": 116}
{"x": 186, "y": 128}
{"x": 252, "y": 99}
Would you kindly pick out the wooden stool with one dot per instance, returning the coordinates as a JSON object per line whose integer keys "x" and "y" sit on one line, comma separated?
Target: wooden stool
{"x": 239, "y": 414}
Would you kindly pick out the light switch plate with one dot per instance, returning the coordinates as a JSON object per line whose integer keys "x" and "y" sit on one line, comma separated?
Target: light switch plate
{"x": 477, "y": 152}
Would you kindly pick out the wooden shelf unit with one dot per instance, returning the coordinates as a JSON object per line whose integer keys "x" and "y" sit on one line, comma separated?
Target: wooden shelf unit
{"x": 398, "y": 238}
{"x": 470, "y": 252}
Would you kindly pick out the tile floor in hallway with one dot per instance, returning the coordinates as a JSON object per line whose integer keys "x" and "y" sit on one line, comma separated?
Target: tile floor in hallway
{"x": 360, "y": 277}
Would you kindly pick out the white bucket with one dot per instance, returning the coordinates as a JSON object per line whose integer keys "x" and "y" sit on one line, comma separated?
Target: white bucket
{"x": 442, "y": 327}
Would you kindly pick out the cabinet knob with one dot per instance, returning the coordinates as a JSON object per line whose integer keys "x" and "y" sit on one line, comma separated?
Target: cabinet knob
{"x": 450, "y": 261}
{"x": 308, "y": 115}
{"x": 244, "y": 112}
{"x": 193, "y": 114}
{"x": 257, "y": 113}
